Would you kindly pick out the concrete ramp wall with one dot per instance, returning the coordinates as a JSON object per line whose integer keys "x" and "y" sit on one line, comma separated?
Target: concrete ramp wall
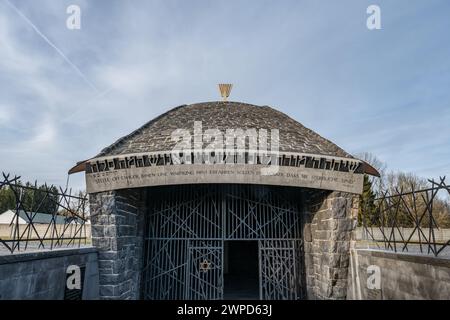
{"x": 43, "y": 274}
{"x": 384, "y": 275}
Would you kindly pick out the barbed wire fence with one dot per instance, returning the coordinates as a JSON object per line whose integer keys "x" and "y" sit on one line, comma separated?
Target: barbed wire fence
{"x": 44, "y": 217}
{"x": 415, "y": 221}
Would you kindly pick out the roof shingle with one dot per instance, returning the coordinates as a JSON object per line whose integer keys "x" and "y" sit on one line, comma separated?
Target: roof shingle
{"x": 155, "y": 135}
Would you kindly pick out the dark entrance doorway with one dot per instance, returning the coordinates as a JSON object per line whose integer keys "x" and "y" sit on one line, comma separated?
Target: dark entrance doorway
{"x": 241, "y": 274}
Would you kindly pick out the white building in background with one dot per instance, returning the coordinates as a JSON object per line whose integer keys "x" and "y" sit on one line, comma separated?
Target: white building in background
{"x": 10, "y": 224}
{"x": 8, "y": 216}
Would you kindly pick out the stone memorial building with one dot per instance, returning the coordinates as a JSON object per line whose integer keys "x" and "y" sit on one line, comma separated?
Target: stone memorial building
{"x": 223, "y": 200}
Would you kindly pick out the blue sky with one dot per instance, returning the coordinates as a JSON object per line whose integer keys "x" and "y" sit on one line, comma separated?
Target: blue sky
{"x": 382, "y": 91}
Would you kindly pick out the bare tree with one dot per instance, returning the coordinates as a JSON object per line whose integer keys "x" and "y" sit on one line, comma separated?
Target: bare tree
{"x": 401, "y": 182}
{"x": 374, "y": 161}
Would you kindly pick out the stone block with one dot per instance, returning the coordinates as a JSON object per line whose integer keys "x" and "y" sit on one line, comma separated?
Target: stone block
{"x": 123, "y": 207}
{"x": 323, "y": 234}
{"x": 107, "y": 255}
{"x": 342, "y": 236}
{"x": 108, "y": 290}
{"x": 340, "y": 207}
{"x": 119, "y": 266}
{"x": 108, "y": 279}
{"x": 344, "y": 225}
{"x": 105, "y": 264}
{"x": 102, "y": 243}
{"x": 111, "y": 231}
{"x": 98, "y": 230}
{"x": 325, "y": 290}
{"x": 105, "y": 270}
{"x": 339, "y": 292}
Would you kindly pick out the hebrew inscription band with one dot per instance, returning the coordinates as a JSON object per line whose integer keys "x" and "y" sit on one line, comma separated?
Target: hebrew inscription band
{"x": 144, "y": 176}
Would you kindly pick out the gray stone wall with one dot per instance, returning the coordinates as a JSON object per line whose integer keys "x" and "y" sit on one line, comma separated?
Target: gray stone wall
{"x": 42, "y": 275}
{"x": 402, "y": 276}
{"x": 117, "y": 232}
{"x": 329, "y": 220}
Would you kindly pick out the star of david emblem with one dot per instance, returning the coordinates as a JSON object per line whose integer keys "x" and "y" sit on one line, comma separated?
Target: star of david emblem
{"x": 205, "y": 265}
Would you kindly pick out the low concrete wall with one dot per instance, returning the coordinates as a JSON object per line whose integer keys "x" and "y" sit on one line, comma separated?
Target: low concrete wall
{"x": 42, "y": 274}
{"x": 402, "y": 276}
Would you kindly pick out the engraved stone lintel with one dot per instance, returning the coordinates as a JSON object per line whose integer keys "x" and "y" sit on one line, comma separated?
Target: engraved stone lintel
{"x": 223, "y": 173}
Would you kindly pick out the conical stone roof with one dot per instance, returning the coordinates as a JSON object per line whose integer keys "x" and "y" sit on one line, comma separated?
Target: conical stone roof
{"x": 155, "y": 135}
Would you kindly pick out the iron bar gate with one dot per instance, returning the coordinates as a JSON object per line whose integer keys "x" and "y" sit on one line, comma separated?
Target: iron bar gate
{"x": 186, "y": 229}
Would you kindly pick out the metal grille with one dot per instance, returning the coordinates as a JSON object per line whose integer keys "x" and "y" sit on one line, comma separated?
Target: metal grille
{"x": 188, "y": 225}
{"x": 409, "y": 221}
{"x": 52, "y": 217}
{"x": 278, "y": 270}
{"x": 205, "y": 270}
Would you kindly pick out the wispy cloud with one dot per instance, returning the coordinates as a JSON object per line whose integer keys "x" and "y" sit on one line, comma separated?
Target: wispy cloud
{"x": 51, "y": 44}
{"x": 67, "y": 94}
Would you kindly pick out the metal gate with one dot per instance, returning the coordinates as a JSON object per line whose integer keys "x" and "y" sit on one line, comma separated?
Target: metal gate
{"x": 278, "y": 267}
{"x": 204, "y": 275}
{"x": 185, "y": 232}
